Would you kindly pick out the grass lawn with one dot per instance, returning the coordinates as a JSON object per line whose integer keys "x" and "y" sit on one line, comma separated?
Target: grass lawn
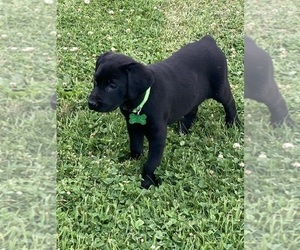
{"x": 272, "y": 157}
{"x": 27, "y": 125}
{"x": 99, "y": 201}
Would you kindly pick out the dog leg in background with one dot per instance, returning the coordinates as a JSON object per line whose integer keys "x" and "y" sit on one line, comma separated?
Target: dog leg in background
{"x": 53, "y": 101}
{"x": 269, "y": 95}
{"x": 279, "y": 111}
{"x": 188, "y": 120}
{"x": 260, "y": 84}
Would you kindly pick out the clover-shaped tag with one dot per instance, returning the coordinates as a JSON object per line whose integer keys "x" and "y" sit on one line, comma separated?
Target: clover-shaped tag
{"x": 141, "y": 119}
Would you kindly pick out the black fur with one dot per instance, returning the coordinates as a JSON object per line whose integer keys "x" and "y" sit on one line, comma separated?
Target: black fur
{"x": 260, "y": 84}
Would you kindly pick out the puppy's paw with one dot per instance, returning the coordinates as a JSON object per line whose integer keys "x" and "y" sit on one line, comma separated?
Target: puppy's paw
{"x": 148, "y": 181}
{"x": 277, "y": 122}
{"x": 233, "y": 122}
{"x": 135, "y": 155}
{"x": 183, "y": 130}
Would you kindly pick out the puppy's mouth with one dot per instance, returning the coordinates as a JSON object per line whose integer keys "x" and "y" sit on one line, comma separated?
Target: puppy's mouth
{"x": 101, "y": 107}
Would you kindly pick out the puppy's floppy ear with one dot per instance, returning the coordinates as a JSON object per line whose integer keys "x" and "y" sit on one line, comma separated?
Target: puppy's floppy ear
{"x": 140, "y": 78}
{"x": 101, "y": 58}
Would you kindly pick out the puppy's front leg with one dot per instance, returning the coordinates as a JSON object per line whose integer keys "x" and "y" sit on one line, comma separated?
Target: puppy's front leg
{"x": 136, "y": 138}
{"x": 157, "y": 141}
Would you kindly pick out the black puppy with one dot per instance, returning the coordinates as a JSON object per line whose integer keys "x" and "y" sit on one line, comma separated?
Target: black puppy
{"x": 151, "y": 97}
{"x": 260, "y": 84}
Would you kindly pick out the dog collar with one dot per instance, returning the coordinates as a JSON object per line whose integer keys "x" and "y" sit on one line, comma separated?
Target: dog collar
{"x": 135, "y": 116}
{"x": 138, "y": 109}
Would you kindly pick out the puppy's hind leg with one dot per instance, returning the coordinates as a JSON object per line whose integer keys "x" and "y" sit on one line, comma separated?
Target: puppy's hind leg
{"x": 269, "y": 94}
{"x": 225, "y": 97}
{"x": 188, "y": 120}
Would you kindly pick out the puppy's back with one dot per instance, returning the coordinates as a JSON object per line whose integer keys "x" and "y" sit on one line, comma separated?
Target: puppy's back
{"x": 258, "y": 64}
{"x": 200, "y": 54}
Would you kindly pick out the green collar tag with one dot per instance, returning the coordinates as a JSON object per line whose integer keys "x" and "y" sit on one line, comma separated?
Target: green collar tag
{"x": 141, "y": 119}
{"x": 135, "y": 116}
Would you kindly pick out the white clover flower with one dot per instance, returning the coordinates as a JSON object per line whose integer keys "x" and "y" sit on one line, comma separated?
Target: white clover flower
{"x": 73, "y": 49}
{"x": 242, "y": 164}
{"x": 262, "y": 156}
{"x": 86, "y": 1}
{"x": 287, "y": 145}
{"x": 220, "y": 156}
{"x": 248, "y": 172}
{"x": 28, "y": 49}
{"x": 49, "y": 1}
{"x": 111, "y": 12}
{"x": 296, "y": 164}
{"x": 13, "y": 84}
{"x": 236, "y": 145}
{"x": 90, "y": 33}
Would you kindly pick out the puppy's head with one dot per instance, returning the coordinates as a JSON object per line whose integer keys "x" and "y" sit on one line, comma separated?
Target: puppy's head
{"x": 118, "y": 79}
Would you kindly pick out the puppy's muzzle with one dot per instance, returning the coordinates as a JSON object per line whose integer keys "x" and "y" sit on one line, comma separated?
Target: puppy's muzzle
{"x": 94, "y": 104}
{"x": 99, "y": 106}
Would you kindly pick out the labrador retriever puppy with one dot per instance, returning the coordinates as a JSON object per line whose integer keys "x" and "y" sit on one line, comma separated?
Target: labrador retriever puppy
{"x": 260, "y": 84}
{"x": 154, "y": 96}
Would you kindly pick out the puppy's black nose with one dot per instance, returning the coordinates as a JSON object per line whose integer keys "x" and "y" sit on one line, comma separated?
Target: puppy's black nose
{"x": 92, "y": 104}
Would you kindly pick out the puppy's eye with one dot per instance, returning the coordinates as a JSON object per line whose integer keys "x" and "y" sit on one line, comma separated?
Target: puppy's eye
{"x": 112, "y": 86}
